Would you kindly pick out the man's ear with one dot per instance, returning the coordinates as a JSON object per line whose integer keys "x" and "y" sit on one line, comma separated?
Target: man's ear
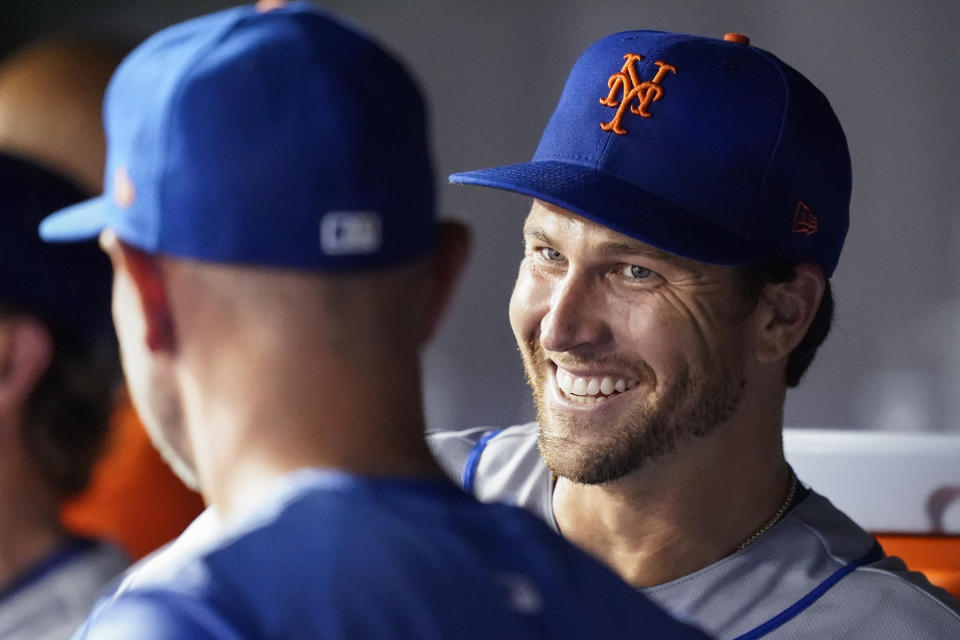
{"x": 453, "y": 247}
{"x": 26, "y": 350}
{"x": 785, "y": 311}
{"x": 150, "y": 293}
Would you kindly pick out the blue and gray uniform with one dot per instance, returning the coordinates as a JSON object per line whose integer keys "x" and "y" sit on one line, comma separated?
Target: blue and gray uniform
{"x": 329, "y": 555}
{"x": 49, "y": 601}
{"x": 813, "y": 575}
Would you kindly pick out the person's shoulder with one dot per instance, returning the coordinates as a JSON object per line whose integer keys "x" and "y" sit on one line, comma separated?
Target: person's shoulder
{"x": 168, "y": 559}
{"x": 321, "y": 556}
{"x": 907, "y": 604}
{"x": 95, "y": 564}
{"x": 485, "y": 563}
{"x": 160, "y": 614}
{"x": 454, "y": 448}
{"x": 461, "y": 453}
{"x": 874, "y": 594}
{"x": 54, "y": 599}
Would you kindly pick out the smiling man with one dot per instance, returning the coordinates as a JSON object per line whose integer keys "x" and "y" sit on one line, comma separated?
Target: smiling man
{"x": 691, "y": 199}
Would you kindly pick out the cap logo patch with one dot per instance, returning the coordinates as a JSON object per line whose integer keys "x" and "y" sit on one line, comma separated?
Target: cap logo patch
{"x": 627, "y": 84}
{"x": 124, "y": 193}
{"x": 804, "y": 221}
{"x": 350, "y": 233}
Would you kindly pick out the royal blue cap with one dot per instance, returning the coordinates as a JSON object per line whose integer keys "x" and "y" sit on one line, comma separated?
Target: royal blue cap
{"x": 66, "y": 287}
{"x": 271, "y": 135}
{"x": 710, "y": 149}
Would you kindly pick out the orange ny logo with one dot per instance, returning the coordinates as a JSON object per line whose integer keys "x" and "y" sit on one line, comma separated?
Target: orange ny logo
{"x": 628, "y": 85}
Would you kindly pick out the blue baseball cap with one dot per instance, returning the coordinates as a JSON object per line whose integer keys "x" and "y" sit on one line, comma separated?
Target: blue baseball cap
{"x": 68, "y": 288}
{"x": 710, "y": 149}
{"x": 273, "y": 135}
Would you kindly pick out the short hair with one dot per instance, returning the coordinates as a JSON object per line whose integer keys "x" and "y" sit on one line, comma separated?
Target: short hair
{"x": 753, "y": 279}
{"x": 67, "y": 415}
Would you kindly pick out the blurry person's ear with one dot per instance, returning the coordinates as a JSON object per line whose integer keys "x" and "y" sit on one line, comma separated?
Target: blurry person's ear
{"x": 141, "y": 273}
{"x": 26, "y": 350}
{"x": 453, "y": 246}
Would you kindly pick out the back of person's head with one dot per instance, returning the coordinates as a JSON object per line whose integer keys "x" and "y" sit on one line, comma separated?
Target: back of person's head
{"x": 62, "y": 293}
{"x": 276, "y": 140}
{"x": 51, "y": 154}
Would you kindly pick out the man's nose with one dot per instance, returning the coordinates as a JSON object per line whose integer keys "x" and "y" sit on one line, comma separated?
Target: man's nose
{"x": 575, "y": 319}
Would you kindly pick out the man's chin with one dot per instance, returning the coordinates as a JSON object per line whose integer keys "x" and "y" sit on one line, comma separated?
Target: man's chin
{"x": 583, "y": 455}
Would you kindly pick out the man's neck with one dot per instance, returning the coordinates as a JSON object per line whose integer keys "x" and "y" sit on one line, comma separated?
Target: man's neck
{"x": 680, "y": 513}
{"x": 355, "y": 420}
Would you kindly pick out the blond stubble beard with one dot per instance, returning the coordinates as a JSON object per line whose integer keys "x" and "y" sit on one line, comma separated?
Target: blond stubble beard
{"x": 692, "y": 406}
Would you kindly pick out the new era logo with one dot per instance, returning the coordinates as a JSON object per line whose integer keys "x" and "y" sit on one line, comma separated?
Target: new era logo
{"x": 804, "y": 221}
{"x": 350, "y": 233}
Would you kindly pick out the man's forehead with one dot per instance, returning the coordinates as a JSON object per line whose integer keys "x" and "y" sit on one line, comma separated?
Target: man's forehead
{"x": 560, "y": 224}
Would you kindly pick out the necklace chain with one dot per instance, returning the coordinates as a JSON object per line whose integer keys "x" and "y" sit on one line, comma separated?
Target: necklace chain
{"x": 776, "y": 517}
{"x": 791, "y": 493}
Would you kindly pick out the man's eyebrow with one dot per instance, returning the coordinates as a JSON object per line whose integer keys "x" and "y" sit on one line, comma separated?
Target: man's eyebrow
{"x": 608, "y": 249}
{"x": 536, "y": 233}
{"x": 621, "y": 248}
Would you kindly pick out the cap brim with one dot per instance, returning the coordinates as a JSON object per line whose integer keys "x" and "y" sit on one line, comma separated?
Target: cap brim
{"x": 82, "y": 221}
{"x": 621, "y": 206}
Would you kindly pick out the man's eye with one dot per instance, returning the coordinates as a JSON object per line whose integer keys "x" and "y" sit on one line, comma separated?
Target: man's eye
{"x": 637, "y": 272}
{"x": 551, "y": 254}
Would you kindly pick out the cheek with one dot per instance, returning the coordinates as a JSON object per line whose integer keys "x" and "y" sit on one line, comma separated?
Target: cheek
{"x": 652, "y": 332}
{"x": 699, "y": 331}
{"x": 669, "y": 333}
{"x": 528, "y": 304}
{"x": 125, "y": 317}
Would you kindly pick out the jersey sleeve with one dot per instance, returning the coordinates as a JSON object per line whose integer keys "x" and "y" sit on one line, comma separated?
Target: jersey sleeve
{"x": 453, "y": 448}
{"x": 158, "y": 615}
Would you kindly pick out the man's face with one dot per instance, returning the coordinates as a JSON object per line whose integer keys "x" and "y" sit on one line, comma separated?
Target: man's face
{"x": 148, "y": 376}
{"x": 631, "y": 352}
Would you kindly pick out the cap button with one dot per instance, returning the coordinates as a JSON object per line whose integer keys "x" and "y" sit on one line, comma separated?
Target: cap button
{"x": 268, "y": 5}
{"x": 739, "y": 38}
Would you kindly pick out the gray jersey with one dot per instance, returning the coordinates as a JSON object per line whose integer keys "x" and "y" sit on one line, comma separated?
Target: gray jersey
{"x": 813, "y": 575}
{"x": 51, "y": 601}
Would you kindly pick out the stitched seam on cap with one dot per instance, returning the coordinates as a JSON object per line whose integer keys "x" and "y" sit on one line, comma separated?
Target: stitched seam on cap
{"x": 177, "y": 95}
{"x": 754, "y": 222}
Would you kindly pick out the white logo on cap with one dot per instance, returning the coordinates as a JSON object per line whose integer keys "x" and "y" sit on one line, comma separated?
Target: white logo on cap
{"x": 350, "y": 232}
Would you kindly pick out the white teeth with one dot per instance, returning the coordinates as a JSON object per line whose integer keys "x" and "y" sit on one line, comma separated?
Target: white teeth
{"x": 586, "y": 390}
{"x": 580, "y": 387}
{"x": 606, "y": 387}
{"x": 564, "y": 381}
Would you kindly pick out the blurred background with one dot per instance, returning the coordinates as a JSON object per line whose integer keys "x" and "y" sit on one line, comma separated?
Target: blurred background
{"x": 492, "y": 71}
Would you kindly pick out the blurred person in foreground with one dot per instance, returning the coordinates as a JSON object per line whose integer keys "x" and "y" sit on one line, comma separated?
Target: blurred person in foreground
{"x": 56, "y": 386}
{"x": 691, "y": 200}
{"x": 51, "y": 92}
{"x": 277, "y": 265}
{"x": 57, "y": 355}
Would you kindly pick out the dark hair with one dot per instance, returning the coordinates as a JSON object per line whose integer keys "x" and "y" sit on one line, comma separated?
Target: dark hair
{"x": 753, "y": 278}
{"x": 68, "y": 413}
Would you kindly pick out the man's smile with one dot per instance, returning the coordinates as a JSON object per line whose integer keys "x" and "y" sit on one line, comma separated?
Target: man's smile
{"x": 585, "y": 387}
